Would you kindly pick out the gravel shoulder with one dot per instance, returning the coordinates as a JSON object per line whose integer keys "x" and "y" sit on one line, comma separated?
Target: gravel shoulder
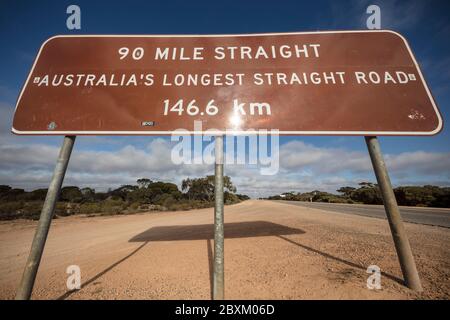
{"x": 272, "y": 251}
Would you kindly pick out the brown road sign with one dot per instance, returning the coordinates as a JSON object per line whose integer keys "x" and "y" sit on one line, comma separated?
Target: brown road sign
{"x": 311, "y": 83}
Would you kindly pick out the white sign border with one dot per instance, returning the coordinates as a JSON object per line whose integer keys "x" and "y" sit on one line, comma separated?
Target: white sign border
{"x": 237, "y": 132}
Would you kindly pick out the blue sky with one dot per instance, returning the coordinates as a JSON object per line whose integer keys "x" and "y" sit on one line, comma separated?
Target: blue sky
{"x": 314, "y": 162}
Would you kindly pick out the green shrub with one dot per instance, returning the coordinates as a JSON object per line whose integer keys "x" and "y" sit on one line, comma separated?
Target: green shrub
{"x": 111, "y": 206}
{"x": 31, "y": 210}
{"x": 146, "y": 196}
{"x": 90, "y": 208}
{"x": 134, "y": 206}
{"x": 11, "y": 210}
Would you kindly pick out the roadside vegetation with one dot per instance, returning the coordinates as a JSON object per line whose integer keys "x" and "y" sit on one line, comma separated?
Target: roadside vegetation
{"x": 145, "y": 195}
{"x": 369, "y": 193}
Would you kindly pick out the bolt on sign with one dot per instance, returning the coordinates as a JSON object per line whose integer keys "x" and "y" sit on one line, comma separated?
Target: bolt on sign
{"x": 313, "y": 83}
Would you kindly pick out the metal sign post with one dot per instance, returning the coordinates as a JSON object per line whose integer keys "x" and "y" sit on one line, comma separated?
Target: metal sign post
{"x": 37, "y": 248}
{"x": 401, "y": 242}
{"x": 218, "y": 277}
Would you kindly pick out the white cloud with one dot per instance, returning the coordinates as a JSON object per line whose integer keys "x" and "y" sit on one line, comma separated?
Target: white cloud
{"x": 297, "y": 154}
{"x": 304, "y": 167}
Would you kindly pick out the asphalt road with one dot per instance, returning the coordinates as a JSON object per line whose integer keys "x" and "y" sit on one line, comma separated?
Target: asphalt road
{"x": 429, "y": 216}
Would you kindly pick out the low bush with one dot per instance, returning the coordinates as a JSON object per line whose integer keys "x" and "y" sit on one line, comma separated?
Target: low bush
{"x": 146, "y": 196}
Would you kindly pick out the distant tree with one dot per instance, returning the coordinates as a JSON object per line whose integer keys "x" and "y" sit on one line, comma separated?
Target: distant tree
{"x": 441, "y": 198}
{"x": 87, "y": 191}
{"x": 230, "y": 198}
{"x": 88, "y": 194}
{"x": 203, "y": 188}
{"x": 4, "y": 189}
{"x": 418, "y": 196}
{"x": 228, "y": 184}
{"x": 368, "y": 193}
{"x": 186, "y": 184}
{"x": 15, "y": 203}
{"x": 100, "y": 196}
{"x": 143, "y": 182}
{"x": 366, "y": 184}
{"x": 158, "y": 188}
{"x": 122, "y": 191}
{"x": 14, "y": 194}
{"x": 38, "y": 194}
{"x": 154, "y": 192}
{"x": 346, "y": 191}
{"x": 242, "y": 197}
{"x": 71, "y": 194}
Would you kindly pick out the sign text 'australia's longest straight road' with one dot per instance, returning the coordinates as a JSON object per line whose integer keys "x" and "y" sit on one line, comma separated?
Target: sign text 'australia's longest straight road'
{"x": 336, "y": 82}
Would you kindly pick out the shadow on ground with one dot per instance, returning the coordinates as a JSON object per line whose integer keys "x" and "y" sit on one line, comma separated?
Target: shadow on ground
{"x": 206, "y": 231}
{"x": 248, "y": 229}
{"x": 196, "y": 232}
